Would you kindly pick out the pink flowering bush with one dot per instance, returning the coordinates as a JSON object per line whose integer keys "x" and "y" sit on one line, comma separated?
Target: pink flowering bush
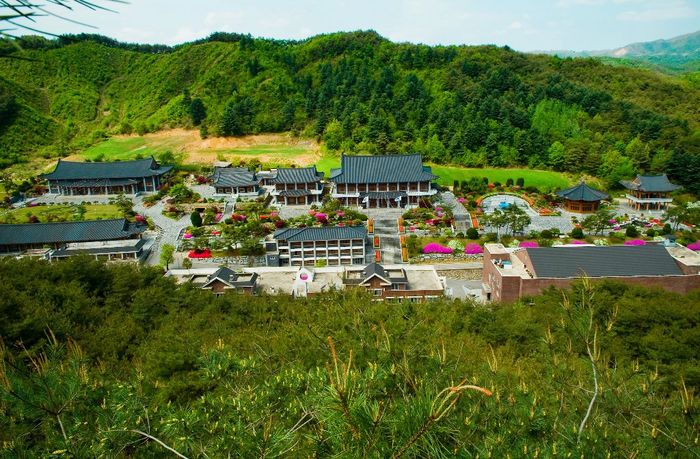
{"x": 577, "y": 242}
{"x": 473, "y": 249}
{"x": 694, "y": 246}
{"x": 434, "y": 247}
{"x": 528, "y": 244}
{"x": 635, "y": 242}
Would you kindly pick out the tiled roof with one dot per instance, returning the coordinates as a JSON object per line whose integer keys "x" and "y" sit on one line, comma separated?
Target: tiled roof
{"x": 71, "y": 170}
{"x": 382, "y": 169}
{"x": 297, "y": 175}
{"x": 294, "y": 193}
{"x": 128, "y": 246}
{"x": 384, "y": 194}
{"x": 650, "y": 183}
{"x": 62, "y": 232}
{"x": 231, "y": 278}
{"x": 100, "y": 182}
{"x": 582, "y": 192}
{"x": 323, "y": 233}
{"x": 623, "y": 261}
{"x": 233, "y": 176}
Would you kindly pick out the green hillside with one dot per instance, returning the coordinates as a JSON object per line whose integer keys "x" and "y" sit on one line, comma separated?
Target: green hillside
{"x": 358, "y": 92}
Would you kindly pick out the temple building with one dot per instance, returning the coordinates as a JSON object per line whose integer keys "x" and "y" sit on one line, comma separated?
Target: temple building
{"x": 382, "y": 181}
{"x": 127, "y": 177}
{"x": 294, "y": 185}
{"x": 224, "y": 280}
{"x": 329, "y": 245}
{"x": 70, "y": 237}
{"x": 649, "y": 192}
{"x": 510, "y": 273}
{"x": 582, "y": 198}
{"x": 396, "y": 282}
{"x": 237, "y": 181}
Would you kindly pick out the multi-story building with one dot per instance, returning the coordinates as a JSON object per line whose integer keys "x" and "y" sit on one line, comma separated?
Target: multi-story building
{"x": 649, "y": 192}
{"x": 509, "y": 273}
{"x": 127, "y": 177}
{"x": 328, "y": 245}
{"x": 293, "y": 186}
{"x": 382, "y": 181}
{"x": 235, "y": 181}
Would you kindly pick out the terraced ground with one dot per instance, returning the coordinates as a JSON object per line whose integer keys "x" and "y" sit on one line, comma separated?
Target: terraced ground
{"x": 60, "y": 212}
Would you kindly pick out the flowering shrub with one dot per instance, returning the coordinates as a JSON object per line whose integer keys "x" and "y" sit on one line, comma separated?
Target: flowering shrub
{"x": 528, "y": 244}
{"x": 434, "y": 247}
{"x": 635, "y": 242}
{"x": 206, "y": 253}
{"x": 601, "y": 242}
{"x": 694, "y": 246}
{"x": 473, "y": 249}
{"x": 455, "y": 245}
{"x": 577, "y": 242}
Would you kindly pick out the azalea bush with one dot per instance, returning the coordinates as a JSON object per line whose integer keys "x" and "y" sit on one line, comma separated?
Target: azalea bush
{"x": 434, "y": 247}
{"x": 694, "y": 246}
{"x": 473, "y": 249}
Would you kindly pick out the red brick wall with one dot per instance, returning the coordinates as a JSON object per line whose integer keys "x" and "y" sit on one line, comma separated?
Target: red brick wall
{"x": 678, "y": 284}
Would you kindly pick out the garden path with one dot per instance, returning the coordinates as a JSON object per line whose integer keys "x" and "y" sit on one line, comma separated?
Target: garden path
{"x": 169, "y": 230}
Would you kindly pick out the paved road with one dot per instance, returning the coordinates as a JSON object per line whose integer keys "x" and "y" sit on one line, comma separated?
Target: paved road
{"x": 462, "y": 218}
{"x": 168, "y": 230}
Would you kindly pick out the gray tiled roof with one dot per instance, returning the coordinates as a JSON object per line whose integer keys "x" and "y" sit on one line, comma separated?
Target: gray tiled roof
{"x": 100, "y": 182}
{"x": 382, "y": 169}
{"x": 294, "y": 193}
{"x": 128, "y": 247}
{"x": 582, "y": 192}
{"x": 71, "y": 170}
{"x": 297, "y": 175}
{"x": 624, "y": 261}
{"x": 650, "y": 183}
{"x": 231, "y": 278}
{"x": 62, "y": 232}
{"x": 384, "y": 194}
{"x": 233, "y": 176}
{"x": 323, "y": 233}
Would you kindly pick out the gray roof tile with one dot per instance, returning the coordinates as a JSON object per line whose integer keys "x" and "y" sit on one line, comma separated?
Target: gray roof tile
{"x": 62, "y": 232}
{"x": 322, "y": 233}
{"x": 622, "y": 261}
{"x": 650, "y": 183}
{"x": 71, "y": 170}
{"x": 582, "y": 192}
{"x": 297, "y": 175}
{"x": 233, "y": 176}
{"x": 382, "y": 169}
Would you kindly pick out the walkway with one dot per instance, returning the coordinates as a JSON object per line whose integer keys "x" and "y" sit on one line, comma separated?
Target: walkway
{"x": 387, "y": 228}
{"x": 169, "y": 230}
{"x": 462, "y": 218}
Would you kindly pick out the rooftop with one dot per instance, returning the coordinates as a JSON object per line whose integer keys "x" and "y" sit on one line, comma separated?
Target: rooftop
{"x": 72, "y": 170}
{"x": 233, "y": 176}
{"x": 321, "y": 233}
{"x": 582, "y": 192}
{"x": 297, "y": 175}
{"x": 382, "y": 169}
{"x": 650, "y": 183}
{"x": 64, "y": 232}
{"x": 612, "y": 261}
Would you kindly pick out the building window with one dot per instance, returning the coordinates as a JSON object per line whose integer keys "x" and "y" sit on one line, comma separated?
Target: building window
{"x": 378, "y": 292}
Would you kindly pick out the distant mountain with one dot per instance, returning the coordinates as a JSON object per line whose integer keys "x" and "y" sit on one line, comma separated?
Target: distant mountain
{"x": 679, "y": 54}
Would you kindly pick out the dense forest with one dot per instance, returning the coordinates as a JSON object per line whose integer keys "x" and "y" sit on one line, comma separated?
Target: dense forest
{"x": 358, "y": 92}
{"x": 118, "y": 361}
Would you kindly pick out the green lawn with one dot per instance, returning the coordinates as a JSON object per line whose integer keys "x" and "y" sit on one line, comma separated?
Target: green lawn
{"x": 448, "y": 174}
{"x": 120, "y": 148}
{"x": 61, "y": 212}
{"x": 536, "y": 178}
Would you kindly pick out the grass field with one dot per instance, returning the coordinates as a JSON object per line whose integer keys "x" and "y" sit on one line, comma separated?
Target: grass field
{"x": 536, "y": 178}
{"x": 448, "y": 174}
{"x": 189, "y": 148}
{"x": 60, "y": 212}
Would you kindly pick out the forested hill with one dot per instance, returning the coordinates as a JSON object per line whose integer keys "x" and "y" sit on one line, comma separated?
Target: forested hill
{"x": 357, "y": 91}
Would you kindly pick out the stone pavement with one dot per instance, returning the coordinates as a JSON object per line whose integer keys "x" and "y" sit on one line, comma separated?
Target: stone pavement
{"x": 462, "y": 217}
{"x": 168, "y": 231}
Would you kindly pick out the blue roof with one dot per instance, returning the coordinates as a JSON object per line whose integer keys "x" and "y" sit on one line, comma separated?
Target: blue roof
{"x": 63, "y": 232}
{"x": 321, "y": 233}
{"x": 382, "y": 169}
{"x": 72, "y": 170}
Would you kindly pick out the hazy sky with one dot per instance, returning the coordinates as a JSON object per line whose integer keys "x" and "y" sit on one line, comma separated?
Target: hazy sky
{"x": 522, "y": 24}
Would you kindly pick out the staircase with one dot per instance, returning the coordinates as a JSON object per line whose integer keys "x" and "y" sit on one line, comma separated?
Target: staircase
{"x": 387, "y": 230}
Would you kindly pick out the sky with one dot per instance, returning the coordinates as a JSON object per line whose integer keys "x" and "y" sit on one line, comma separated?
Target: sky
{"x": 525, "y": 25}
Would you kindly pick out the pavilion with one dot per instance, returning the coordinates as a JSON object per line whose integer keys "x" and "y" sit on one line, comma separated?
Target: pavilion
{"x": 582, "y": 198}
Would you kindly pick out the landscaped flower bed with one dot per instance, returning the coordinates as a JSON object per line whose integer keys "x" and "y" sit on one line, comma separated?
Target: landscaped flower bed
{"x": 694, "y": 246}
{"x": 206, "y": 253}
{"x": 434, "y": 247}
{"x": 328, "y": 216}
{"x": 473, "y": 249}
{"x": 425, "y": 218}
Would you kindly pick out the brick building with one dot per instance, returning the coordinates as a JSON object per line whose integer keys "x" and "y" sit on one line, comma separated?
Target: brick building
{"x": 509, "y": 274}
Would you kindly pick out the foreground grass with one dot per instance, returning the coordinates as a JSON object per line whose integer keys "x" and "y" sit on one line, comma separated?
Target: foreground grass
{"x": 61, "y": 212}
